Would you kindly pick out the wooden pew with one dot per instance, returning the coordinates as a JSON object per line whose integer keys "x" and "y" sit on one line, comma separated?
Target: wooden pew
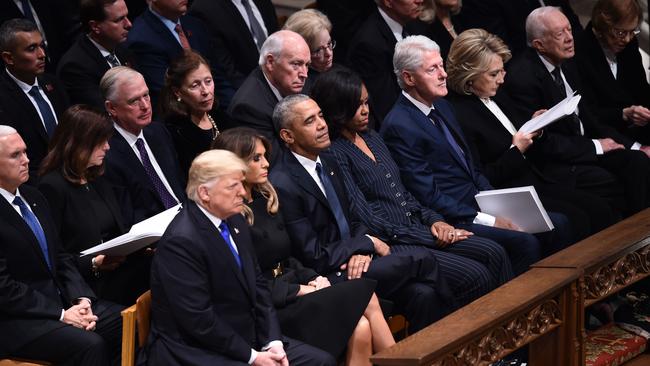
{"x": 536, "y": 308}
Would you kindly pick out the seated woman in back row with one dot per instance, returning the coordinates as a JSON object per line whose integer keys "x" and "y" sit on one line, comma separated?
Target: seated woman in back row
{"x": 309, "y": 309}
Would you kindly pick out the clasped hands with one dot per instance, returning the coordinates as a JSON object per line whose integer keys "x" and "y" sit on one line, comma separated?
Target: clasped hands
{"x": 316, "y": 284}
{"x": 81, "y": 316}
{"x": 448, "y": 234}
{"x": 274, "y": 356}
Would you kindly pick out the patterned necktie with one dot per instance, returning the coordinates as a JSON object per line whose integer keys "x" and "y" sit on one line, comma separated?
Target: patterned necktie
{"x": 181, "y": 36}
{"x": 32, "y": 222}
{"x": 46, "y": 112}
{"x": 225, "y": 234}
{"x": 256, "y": 28}
{"x": 166, "y": 197}
{"x": 436, "y": 117}
{"x": 334, "y": 202}
{"x": 112, "y": 60}
{"x": 559, "y": 81}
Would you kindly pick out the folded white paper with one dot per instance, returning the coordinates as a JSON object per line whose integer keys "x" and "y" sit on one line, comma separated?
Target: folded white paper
{"x": 141, "y": 234}
{"x": 560, "y": 110}
{"x": 521, "y": 205}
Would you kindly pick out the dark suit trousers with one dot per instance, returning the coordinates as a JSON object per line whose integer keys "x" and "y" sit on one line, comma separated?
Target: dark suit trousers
{"x": 73, "y": 346}
{"x": 632, "y": 168}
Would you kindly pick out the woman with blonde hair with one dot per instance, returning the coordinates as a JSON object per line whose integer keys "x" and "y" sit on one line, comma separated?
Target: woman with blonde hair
{"x": 444, "y": 24}
{"x": 309, "y": 308}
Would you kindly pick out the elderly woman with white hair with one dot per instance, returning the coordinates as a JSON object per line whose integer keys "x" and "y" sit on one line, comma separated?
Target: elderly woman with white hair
{"x": 210, "y": 304}
{"x": 444, "y": 23}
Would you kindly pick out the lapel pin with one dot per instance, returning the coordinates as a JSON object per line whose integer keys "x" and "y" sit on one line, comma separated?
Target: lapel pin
{"x": 236, "y": 231}
{"x": 332, "y": 173}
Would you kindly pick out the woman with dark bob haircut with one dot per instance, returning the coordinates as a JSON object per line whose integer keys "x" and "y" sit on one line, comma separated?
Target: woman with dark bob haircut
{"x": 309, "y": 309}
{"x": 189, "y": 107}
{"x": 84, "y": 206}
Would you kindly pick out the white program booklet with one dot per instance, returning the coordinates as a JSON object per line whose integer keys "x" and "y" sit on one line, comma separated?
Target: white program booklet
{"x": 560, "y": 110}
{"x": 521, "y": 205}
{"x": 141, "y": 234}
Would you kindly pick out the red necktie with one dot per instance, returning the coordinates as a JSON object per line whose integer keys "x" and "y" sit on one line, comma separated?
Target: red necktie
{"x": 181, "y": 35}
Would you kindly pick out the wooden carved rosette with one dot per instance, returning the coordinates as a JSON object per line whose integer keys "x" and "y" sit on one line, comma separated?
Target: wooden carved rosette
{"x": 511, "y": 335}
{"x": 614, "y": 276}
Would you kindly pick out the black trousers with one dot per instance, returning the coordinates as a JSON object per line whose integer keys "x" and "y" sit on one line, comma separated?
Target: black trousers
{"x": 68, "y": 345}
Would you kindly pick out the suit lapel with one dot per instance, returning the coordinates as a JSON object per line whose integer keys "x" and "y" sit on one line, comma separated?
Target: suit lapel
{"x": 248, "y": 263}
{"x": 92, "y": 51}
{"x": 305, "y": 181}
{"x": 458, "y": 137}
{"x": 127, "y": 157}
{"x": 160, "y": 153}
{"x": 106, "y": 193}
{"x": 26, "y": 106}
{"x": 160, "y": 28}
{"x": 238, "y": 22}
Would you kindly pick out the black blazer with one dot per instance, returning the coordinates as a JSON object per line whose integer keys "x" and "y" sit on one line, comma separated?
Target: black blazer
{"x": 31, "y": 295}
{"x": 17, "y": 110}
{"x": 252, "y": 106}
{"x": 205, "y": 309}
{"x": 310, "y": 220}
{"x": 531, "y": 86}
{"x": 72, "y": 215}
{"x": 236, "y": 51}
{"x": 154, "y": 46}
{"x": 82, "y": 67}
{"x": 610, "y": 95}
{"x": 371, "y": 55}
{"x": 124, "y": 170}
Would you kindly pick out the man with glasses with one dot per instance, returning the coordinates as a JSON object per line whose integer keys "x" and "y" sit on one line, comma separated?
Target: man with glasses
{"x": 579, "y": 147}
{"x": 283, "y": 63}
{"x": 611, "y": 68}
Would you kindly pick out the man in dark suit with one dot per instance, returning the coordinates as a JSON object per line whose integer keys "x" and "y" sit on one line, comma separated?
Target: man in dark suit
{"x": 435, "y": 163}
{"x": 142, "y": 159}
{"x": 31, "y": 100}
{"x": 239, "y": 28}
{"x": 371, "y": 50}
{"x": 47, "y": 311}
{"x": 332, "y": 240}
{"x": 82, "y": 67}
{"x": 346, "y": 17}
{"x": 211, "y": 305}
{"x": 160, "y": 34}
{"x": 282, "y": 71}
{"x": 57, "y": 20}
{"x": 596, "y": 154}
{"x": 507, "y": 18}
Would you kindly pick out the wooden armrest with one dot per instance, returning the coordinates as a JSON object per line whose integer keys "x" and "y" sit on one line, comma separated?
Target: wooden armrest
{"x": 128, "y": 335}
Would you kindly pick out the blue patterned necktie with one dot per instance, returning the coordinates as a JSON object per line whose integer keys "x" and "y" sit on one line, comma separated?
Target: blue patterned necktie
{"x": 167, "y": 199}
{"x": 35, "y": 226}
{"x": 435, "y": 116}
{"x": 334, "y": 202}
{"x": 225, "y": 234}
{"x": 46, "y": 112}
{"x": 256, "y": 28}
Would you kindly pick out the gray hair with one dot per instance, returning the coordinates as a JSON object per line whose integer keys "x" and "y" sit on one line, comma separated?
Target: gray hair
{"x": 409, "y": 53}
{"x": 535, "y": 25}
{"x": 8, "y": 31}
{"x": 308, "y": 23}
{"x": 7, "y": 130}
{"x": 272, "y": 46}
{"x": 283, "y": 112}
{"x": 113, "y": 78}
{"x": 208, "y": 167}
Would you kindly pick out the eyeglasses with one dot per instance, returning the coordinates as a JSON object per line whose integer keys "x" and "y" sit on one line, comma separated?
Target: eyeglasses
{"x": 622, "y": 34}
{"x": 320, "y": 51}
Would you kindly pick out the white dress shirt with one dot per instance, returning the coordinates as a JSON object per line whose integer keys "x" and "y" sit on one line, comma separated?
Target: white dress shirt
{"x": 131, "y": 139}
{"x": 310, "y": 167}
{"x": 104, "y": 51}
{"x": 394, "y": 26}
{"x": 26, "y": 88}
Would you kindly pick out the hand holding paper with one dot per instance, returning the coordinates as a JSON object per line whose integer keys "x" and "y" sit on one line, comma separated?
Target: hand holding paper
{"x": 562, "y": 109}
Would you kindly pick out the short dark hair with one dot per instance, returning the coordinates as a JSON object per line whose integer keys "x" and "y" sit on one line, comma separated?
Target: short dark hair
{"x": 92, "y": 10}
{"x": 8, "y": 31}
{"x": 176, "y": 73}
{"x": 81, "y": 129}
{"x": 337, "y": 92}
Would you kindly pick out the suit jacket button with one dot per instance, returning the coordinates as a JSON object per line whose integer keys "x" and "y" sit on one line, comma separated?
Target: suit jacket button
{"x": 338, "y": 274}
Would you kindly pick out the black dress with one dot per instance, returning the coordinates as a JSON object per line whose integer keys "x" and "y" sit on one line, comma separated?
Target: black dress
{"x": 85, "y": 216}
{"x": 325, "y": 318}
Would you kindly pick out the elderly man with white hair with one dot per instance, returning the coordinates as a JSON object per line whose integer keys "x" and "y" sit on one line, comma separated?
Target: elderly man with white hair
{"x": 435, "y": 162}
{"x": 282, "y": 71}
{"x": 593, "y": 155}
{"x": 210, "y": 303}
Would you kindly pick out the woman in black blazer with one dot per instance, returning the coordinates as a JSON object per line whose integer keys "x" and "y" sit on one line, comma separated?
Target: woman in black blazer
{"x": 475, "y": 73}
{"x": 611, "y": 70}
{"x": 309, "y": 309}
{"x": 85, "y": 208}
{"x": 187, "y": 102}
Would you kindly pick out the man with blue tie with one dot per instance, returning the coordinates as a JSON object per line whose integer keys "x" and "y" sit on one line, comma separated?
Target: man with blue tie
{"x": 427, "y": 143}
{"x": 210, "y": 304}
{"x": 31, "y": 100}
{"x": 47, "y": 311}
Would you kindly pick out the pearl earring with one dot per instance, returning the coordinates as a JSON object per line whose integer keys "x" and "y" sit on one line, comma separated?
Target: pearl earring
{"x": 178, "y": 99}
